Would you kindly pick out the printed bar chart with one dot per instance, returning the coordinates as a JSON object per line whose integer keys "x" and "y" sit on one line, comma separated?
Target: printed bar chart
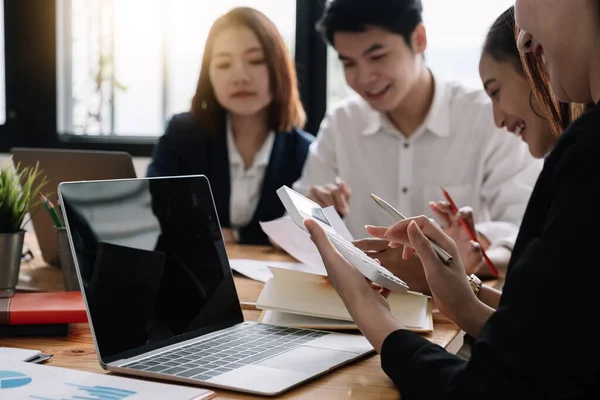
{"x": 94, "y": 393}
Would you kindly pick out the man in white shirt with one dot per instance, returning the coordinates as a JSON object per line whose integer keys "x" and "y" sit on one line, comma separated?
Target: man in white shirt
{"x": 409, "y": 132}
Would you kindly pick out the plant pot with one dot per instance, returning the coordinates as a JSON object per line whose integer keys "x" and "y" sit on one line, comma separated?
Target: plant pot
{"x": 11, "y": 248}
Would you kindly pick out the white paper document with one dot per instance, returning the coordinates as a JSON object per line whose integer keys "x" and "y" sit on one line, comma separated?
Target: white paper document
{"x": 296, "y": 241}
{"x": 15, "y": 354}
{"x": 19, "y": 380}
{"x": 259, "y": 270}
{"x": 293, "y": 240}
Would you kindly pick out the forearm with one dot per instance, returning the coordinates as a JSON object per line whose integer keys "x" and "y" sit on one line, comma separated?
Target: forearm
{"x": 374, "y": 320}
{"x": 490, "y": 296}
{"x": 473, "y": 317}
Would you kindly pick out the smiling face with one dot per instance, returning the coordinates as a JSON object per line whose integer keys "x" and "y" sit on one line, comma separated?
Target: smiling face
{"x": 239, "y": 72}
{"x": 512, "y": 104}
{"x": 379, "y": 65}
{"x": 563, "y": 34}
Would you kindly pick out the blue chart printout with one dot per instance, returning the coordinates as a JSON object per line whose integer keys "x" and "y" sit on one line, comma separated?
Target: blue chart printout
{"x": 20, "y": 380}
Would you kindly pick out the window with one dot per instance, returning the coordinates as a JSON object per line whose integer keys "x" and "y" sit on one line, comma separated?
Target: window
{"x": 455, "y": 33}
{"x": 126, "y": 66}
{"x": 2, "y": 66}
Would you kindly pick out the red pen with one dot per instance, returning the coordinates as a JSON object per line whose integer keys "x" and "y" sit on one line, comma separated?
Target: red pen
{"x": 470, "y": 231}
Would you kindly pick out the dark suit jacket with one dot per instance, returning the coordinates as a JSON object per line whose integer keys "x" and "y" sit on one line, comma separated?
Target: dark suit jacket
{"x": 541, "y": 343}
{"x": 185, "y": 150}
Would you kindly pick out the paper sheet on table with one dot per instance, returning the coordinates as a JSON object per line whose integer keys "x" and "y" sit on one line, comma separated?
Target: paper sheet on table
{"x": 19, "y": 380}
{"x": 338, "y": 224}
{"x": 296, "y": 241}
{"x": 16, "y": 354}
{"x": 259, "y": 270}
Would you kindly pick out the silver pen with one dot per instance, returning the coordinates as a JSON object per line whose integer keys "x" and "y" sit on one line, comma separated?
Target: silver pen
{"x": 442, "y": 254}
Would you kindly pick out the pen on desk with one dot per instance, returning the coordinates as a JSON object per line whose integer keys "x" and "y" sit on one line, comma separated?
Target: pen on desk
{"x": 442, "y": 254}
{"x": 51, "y": 211}
{"x": 469, "y": 230}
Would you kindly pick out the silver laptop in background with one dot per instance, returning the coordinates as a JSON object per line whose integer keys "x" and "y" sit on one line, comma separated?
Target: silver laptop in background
{"x": 160, "y": 295}
{"x": 62, "y": 165}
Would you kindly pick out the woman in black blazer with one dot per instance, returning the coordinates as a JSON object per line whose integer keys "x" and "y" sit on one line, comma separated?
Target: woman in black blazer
{"x": 244, "y": 127}
{"x": 540, "y": 343}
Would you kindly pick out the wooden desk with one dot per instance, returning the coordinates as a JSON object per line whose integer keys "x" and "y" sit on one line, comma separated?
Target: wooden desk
{"x": 362, "y": 379}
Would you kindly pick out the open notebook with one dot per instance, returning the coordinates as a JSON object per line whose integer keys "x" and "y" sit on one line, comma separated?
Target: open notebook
{"x": 304, "y": 299}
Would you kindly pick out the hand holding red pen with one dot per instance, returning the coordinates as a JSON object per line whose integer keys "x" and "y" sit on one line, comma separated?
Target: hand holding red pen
{"x": 459, "y": 225}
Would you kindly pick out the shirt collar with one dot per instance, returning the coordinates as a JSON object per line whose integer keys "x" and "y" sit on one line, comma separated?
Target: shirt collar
{"x": 262, "y": 157}
{"x": 437, "y": 120}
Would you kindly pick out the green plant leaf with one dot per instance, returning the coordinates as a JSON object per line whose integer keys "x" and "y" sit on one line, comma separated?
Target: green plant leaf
{"x": 19, "y": 190}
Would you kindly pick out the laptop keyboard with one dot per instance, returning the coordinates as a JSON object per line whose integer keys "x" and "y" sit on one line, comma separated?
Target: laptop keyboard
{"x": 221, "y": 354}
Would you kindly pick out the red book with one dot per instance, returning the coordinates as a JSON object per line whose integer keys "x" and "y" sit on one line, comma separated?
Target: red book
{"x": 42, "y": 308}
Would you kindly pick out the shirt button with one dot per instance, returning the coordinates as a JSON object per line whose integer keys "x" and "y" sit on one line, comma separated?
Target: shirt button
{"x": 404, "y": 190}
{"x": 406, "y": 145}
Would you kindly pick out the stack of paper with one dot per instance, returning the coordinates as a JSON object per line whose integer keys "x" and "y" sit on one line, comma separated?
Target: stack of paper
{"x": 302, "y": 297}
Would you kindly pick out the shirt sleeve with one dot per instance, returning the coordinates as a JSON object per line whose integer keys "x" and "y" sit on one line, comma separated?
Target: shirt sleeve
{"x": 321, "y": 163}
{"x": 510, "y": 173}
{"x": 541, "y": 342}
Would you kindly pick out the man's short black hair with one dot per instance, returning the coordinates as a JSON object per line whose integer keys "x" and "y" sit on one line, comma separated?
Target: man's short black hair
{"x": 397, "y": 16}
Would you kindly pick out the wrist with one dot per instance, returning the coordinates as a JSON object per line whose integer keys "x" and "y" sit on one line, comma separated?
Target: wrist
{"x": 473, "y": 315}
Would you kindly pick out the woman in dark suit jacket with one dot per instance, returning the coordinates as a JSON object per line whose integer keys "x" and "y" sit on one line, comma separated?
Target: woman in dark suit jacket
{"x": 539, "y": 342}
{"x": 243, "y": 130}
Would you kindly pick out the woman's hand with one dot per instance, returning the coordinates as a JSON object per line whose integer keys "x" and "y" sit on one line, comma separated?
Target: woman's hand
{"x": 468, "y": 250}
{"x": 448, "y": 284}
{"x": 367, "y": 307}
{"x": 410, "y": 271}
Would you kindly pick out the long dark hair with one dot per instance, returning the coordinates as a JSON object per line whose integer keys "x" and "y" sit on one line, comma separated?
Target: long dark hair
{"x": 501, "y": 44}
{"x": 285, "y": 111}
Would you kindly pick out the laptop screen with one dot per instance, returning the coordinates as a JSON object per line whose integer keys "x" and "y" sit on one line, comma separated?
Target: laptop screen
{"x": 152, "y": 262}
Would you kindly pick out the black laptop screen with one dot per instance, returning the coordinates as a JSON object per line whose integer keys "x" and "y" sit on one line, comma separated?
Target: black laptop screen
{"x": 152, "y": 262}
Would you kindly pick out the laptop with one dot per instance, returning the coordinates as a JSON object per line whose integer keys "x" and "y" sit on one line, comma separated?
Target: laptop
{"x": 61, "y": 165}
{"x": 161, "y": 298}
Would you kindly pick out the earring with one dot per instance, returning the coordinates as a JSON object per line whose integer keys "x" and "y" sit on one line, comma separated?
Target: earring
{"x": 204, "y": 105}
{"x": 525, "y": 42}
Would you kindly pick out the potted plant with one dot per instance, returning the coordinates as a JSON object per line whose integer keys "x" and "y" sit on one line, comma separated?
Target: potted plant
{"x": 18, "y": 188}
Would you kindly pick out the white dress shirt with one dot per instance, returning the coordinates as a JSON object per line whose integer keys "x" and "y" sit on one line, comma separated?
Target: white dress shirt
{"x": 246, "y": 184}
{"x": 457, "y": 146}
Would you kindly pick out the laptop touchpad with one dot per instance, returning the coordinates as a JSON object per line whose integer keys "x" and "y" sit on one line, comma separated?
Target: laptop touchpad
{"x": 308, "y": 359}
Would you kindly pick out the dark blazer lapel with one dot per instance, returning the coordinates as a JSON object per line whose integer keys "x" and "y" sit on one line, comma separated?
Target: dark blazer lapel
{"x": 273, "y": 176}
{"x": 218, "y": 170}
